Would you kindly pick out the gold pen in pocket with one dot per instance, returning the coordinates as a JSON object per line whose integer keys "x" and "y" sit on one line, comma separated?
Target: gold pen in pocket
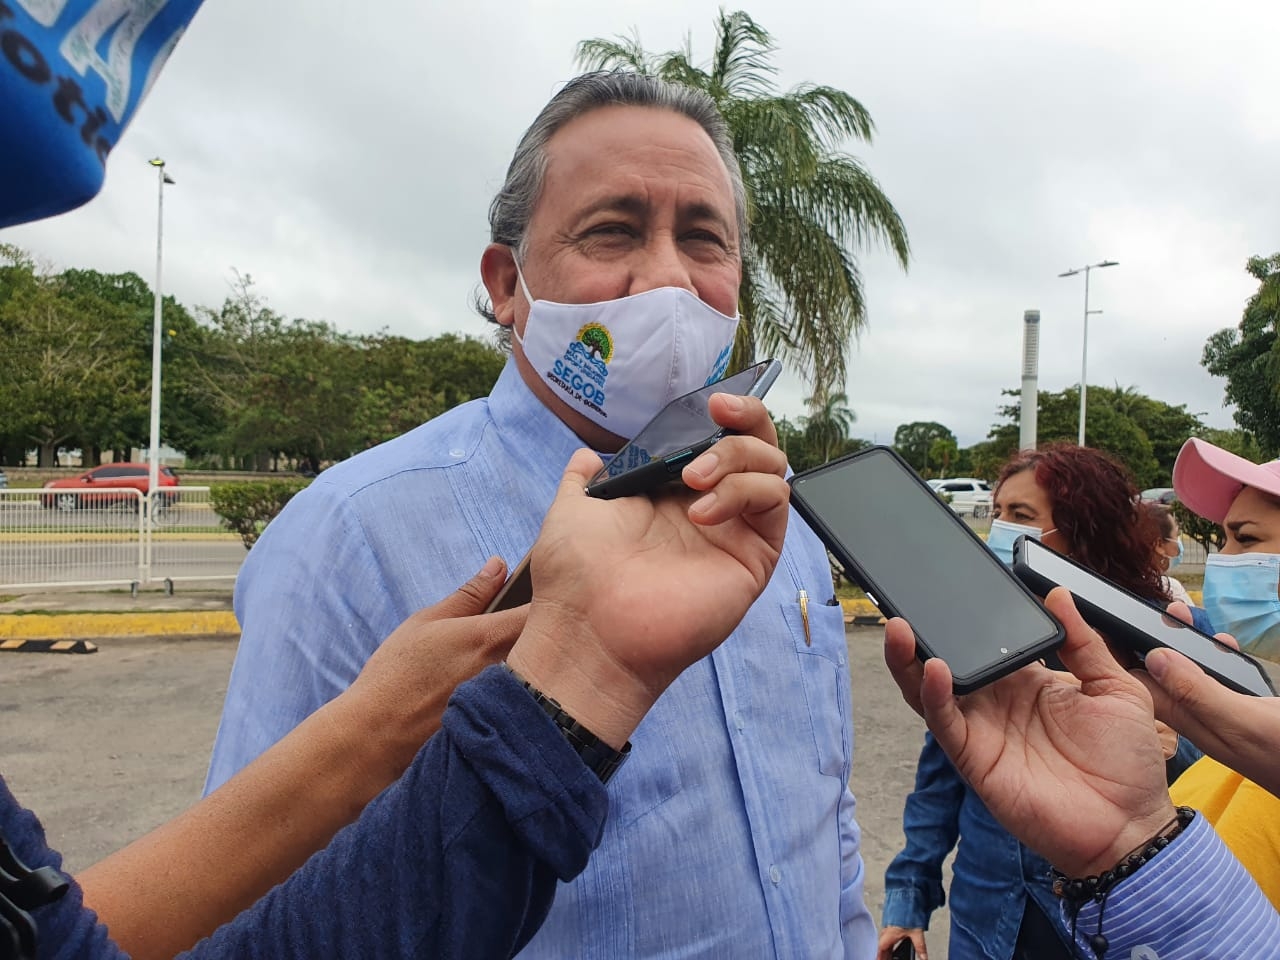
{"x": 804, "y": 617}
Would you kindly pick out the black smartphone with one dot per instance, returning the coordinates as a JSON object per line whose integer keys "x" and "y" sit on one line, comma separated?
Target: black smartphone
{"x": 904, "y": 949}
{"x": 681, "y": 431}
{"x": 517, "y": 591}
{"x": 1131, "y": 622}
{"x": 917, "y": 560}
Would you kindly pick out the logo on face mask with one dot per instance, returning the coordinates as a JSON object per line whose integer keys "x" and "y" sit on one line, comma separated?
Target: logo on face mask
{"x": 721, "y": 365}
{"x": 583, "y": 369}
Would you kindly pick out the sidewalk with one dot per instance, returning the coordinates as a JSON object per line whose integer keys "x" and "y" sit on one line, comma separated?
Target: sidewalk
{"x": 56, "y": 620}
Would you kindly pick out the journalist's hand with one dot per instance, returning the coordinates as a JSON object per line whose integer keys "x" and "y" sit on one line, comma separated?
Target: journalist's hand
{"x": 629, "y": 592}
{"x": 1074, "y": 772}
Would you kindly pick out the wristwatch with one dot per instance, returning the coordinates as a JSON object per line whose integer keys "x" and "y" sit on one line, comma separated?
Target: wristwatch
{"x": 599, "y": 757}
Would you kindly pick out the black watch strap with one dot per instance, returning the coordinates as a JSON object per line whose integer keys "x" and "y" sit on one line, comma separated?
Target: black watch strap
{"x": 601, "y": 758}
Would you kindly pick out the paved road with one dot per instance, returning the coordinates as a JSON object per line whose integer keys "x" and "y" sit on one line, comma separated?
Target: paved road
{"x": 106, "y": 560}
{"x": 107, "y": 746}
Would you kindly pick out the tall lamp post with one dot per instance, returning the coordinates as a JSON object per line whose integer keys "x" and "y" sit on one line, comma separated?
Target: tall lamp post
{"x": 153, "y": 457}
{"x": 1084, "y": 349}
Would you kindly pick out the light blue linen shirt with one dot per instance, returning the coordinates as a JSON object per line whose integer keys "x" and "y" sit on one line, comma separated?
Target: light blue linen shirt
{"x": 731, "y": 830}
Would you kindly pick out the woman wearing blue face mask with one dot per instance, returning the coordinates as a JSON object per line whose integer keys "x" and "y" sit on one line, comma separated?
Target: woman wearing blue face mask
{"x": 1242, "y": 596}
{"x": 1080, "y": 502}
{"x": 1168, "y": 550}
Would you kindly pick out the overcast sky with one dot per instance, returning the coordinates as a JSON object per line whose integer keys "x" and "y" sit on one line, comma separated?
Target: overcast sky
{"x": 344, "y": 155}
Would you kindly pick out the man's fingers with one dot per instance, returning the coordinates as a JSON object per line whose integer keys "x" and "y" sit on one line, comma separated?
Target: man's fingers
{"x": 941, "y": 710}
{"x": 1084, "y": 653}
{"x": 1228, "y": 639}
{"x": 761, "y": 498}
{"x": 900, "y": 658}
{"x": 745, "y": 415}
{"x": 582, "y": 466}
{"x": 1186, "y": 697}
{"x": 732, "y": 455}
{"x": 1179, "y": 610}
{"x": 473, "y": 596}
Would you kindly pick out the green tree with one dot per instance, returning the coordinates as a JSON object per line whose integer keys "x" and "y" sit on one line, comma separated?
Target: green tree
{"x": 1248, "y": 356}
{"x": 826, "y": 428}
{"x": 810, "y": 205}
{"x": 1143, "y": 433}
{"x": 914, "y": 441}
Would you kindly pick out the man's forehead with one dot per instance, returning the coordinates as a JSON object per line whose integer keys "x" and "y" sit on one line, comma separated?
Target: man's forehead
{"x": 610, "y": 151}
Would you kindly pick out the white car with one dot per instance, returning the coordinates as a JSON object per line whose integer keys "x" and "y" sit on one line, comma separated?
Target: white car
{"x": 968, "y": 496}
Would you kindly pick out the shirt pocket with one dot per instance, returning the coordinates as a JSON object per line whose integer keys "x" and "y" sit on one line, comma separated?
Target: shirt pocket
{"x": 825, "y": 680}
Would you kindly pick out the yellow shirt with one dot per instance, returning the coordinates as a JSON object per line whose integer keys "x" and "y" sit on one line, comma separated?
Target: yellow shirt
{"x": 1246, "y": 817}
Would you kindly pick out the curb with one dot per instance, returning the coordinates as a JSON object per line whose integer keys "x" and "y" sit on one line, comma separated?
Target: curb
{"x": 82, "y": 626}
{"x": 861, "y": 613}
{"x": 48, "y": 646}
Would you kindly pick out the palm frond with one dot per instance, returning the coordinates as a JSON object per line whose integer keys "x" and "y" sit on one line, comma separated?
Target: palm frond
{"x": 602, "y": 54}
{"x": 740, "y": 66}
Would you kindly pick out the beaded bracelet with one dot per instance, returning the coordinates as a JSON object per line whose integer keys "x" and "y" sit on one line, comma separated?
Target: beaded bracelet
{"x": 1078, "y": 891}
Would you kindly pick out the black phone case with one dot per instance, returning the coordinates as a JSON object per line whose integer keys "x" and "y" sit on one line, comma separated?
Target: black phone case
{"x": 855, "y": 572}
{"x": 1115, "y": 629}
{"x": 655, "y": 473}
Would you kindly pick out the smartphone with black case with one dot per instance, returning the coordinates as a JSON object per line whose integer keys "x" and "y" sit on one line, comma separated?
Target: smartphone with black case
{"x": 681, "y": 431}
{"x": 917, "y": 560}
{"x": 1131, "y": 622}
{"x": 904, "y": 949}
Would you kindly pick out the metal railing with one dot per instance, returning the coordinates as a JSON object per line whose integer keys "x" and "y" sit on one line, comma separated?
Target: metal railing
{"x": 112, "y": 536}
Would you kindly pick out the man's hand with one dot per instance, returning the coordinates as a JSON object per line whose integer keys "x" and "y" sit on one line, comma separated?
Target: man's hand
{"x": 400, "y": 695}
{"x": 629, "y": 592}
{"x": 1237, "y": 730}
{"x": 1074, "y": 772}
{"x": 890, "y": 937}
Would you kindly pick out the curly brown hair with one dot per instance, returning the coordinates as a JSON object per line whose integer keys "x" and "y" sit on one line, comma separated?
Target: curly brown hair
{"x": 1096, "y": 510}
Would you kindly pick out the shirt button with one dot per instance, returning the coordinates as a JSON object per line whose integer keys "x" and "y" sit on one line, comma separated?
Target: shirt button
{"x": 775, "y": 874}
{"x": 457, "y": 453}
{"x": 740, "y": 722}
{"x": 1144, "y": 952}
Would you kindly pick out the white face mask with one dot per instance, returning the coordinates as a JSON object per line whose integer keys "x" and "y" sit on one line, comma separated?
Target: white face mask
{"x": 619, "y": 362}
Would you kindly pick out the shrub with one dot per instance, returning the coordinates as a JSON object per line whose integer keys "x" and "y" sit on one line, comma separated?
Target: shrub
{"x": 1202, "y": 531}
{"x": 247, "y": 508}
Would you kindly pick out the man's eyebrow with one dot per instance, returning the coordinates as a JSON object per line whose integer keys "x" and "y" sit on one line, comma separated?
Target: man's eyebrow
{"x": 636, "y": 205}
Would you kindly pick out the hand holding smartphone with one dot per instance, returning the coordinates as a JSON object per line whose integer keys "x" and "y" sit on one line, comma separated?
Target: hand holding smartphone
{"x": 681, "y": 431}
{"x": 1130, "y": 622}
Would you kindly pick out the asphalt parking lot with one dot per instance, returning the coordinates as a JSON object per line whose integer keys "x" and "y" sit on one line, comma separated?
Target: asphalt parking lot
{"x": 108, "y": 745}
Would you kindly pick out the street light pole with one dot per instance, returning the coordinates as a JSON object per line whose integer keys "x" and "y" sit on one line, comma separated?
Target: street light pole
{"x": 153, "y": 456}
{"x": 1084, "y": 350}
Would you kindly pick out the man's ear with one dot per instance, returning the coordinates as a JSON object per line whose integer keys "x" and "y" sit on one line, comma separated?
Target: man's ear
{"x": 498, "y": 273}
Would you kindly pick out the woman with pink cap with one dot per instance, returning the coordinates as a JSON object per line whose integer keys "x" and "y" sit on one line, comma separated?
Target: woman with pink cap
{"x": 1242, "y": 598}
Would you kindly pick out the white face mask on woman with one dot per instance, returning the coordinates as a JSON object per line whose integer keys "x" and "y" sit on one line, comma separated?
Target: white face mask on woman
{"x": 619, "y": 362}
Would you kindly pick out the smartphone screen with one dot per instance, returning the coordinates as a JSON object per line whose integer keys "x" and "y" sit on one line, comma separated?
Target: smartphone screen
{"x": 680, "y": 432}
{"x": 916, "y": 559}
{"x": 1129, "y": 620}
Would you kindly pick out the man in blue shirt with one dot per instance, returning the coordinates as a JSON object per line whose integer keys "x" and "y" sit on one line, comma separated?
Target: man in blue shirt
{"x": 615, "y": 264}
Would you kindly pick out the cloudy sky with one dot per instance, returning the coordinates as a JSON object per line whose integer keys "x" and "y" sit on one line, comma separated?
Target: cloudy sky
{"x": 345, "y": 159}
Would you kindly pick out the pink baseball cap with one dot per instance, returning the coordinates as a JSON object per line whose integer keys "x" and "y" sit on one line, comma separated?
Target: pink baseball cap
{"x": 1208, "y": 479}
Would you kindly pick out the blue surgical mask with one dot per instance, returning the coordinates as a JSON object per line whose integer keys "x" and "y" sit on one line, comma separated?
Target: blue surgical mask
{"x": 1240, "y": 596}
{"x": 1003, "y": 534}
{"x": 1177, "y": 557}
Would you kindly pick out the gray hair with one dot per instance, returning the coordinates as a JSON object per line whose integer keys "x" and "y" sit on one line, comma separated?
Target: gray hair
{"x": 512, "y": 209}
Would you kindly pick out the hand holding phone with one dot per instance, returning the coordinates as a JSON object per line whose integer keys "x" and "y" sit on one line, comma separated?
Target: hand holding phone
{"x": 1130, "y": 622}
{"x": 677, "y": 436}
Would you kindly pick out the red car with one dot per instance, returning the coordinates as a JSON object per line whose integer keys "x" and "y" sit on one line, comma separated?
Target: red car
{"x": 109, "y": 483}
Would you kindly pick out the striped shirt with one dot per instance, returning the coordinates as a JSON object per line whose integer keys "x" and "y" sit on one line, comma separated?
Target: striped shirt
{"x": 1192, "y": 902}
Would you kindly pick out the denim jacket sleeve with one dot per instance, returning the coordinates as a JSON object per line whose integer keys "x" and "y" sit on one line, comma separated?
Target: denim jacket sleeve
{"x": 931, "y": 823}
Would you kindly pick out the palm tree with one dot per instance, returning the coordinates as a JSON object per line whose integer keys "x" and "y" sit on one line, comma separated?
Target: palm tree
{"x": 828, "y": 424}
{"x": 810, "y": 204}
